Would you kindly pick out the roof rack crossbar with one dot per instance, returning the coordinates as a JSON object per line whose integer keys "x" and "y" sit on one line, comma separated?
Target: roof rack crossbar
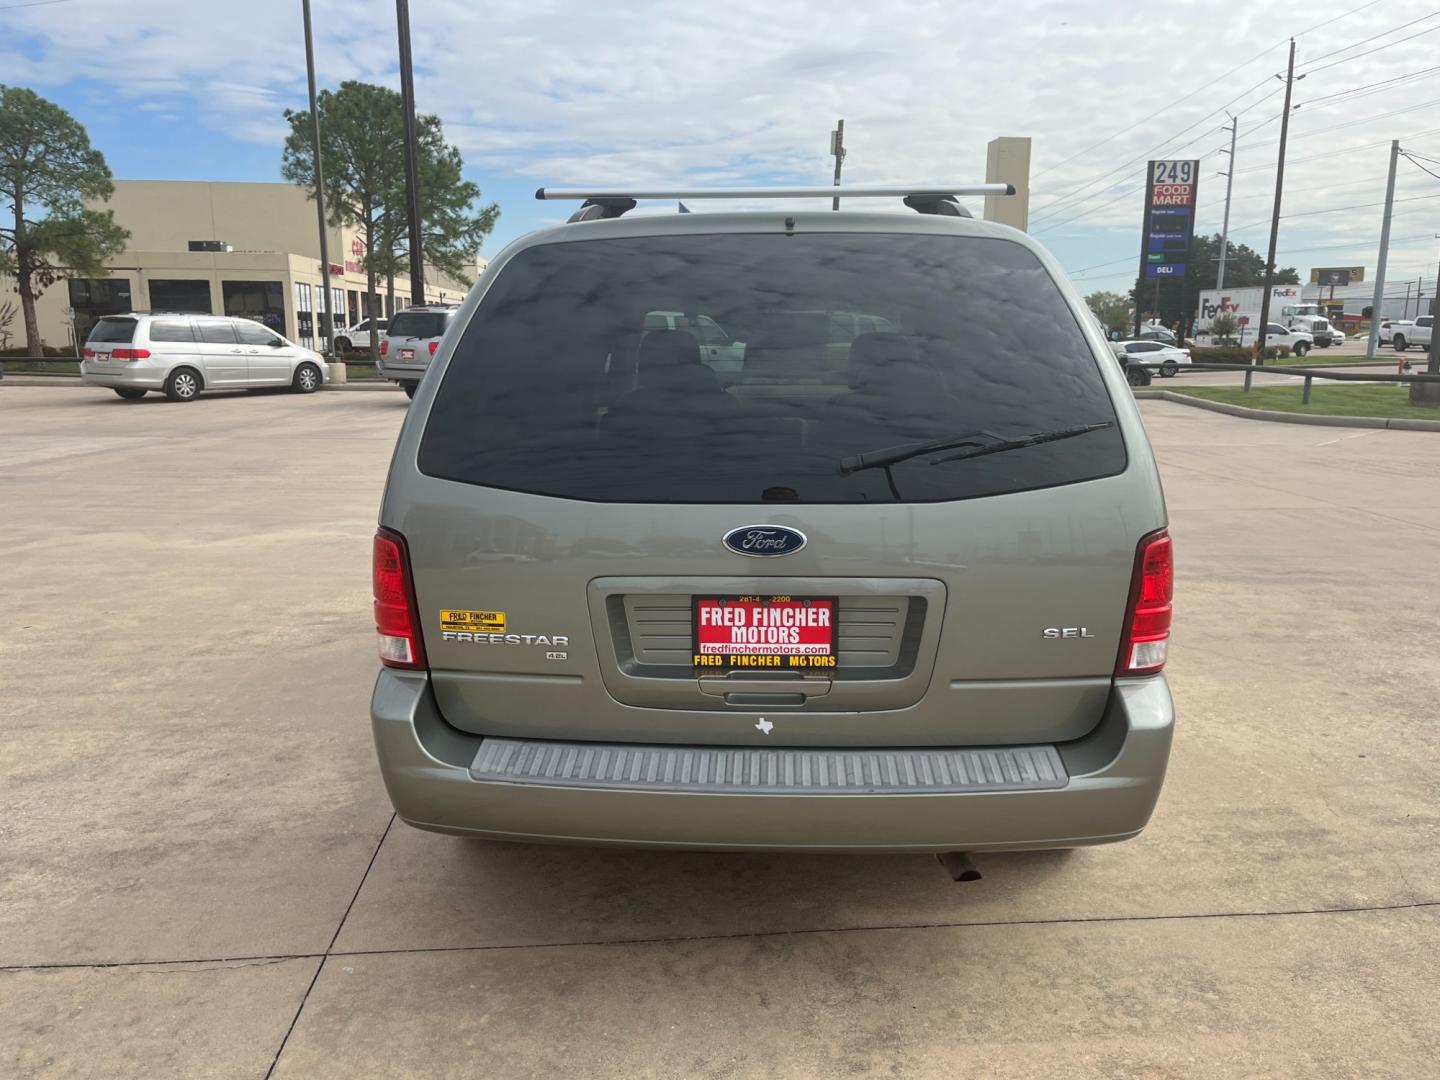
{"x": 926, "y": 198}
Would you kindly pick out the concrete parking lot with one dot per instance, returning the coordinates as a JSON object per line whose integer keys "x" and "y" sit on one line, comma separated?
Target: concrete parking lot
{"x": 199, "y": 874}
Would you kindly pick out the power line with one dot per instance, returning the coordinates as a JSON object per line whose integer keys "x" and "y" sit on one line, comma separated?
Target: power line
{"x": 1366, "y": 41}
{"x": 1331, "y": 210}
{"x": 1330, "y": 154}
{"x": 1417, "y": 164}
{"x": 1162, "y": 109}
{"x": 1377, "y": 48}
{"x": 1053, "y": 208}
{"x": 1374, "y": 88}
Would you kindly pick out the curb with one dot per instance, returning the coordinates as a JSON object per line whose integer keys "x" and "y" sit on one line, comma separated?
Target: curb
{"x": 1394, "y": 424}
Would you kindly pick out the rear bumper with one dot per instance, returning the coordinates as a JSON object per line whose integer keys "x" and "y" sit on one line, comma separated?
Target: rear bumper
{"x": 139, "y": 375}
{"x": 401, "y": 372}
{"x": 1114, "y": 779}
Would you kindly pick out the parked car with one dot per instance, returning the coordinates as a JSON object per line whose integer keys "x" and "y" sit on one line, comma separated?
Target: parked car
{"x": 1167, "y": 359}
{"x": 411, "y": 341}
{"x": 918, "y": 603}
{"x": 357, "y": 337}
{"x": 181, "y": 355}
{"x": 1297, "y": 341}
{"x": 1156, "y": 332}
{"x": 1413, "y": 332}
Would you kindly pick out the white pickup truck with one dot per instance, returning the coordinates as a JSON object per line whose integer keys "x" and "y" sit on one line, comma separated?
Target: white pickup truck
{"x": 1405, "y": 333}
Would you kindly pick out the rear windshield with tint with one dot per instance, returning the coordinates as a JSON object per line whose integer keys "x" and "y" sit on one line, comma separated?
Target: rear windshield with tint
{"x": 113, "y": 330}
{"x": 418, "y": 324}
{"x": 563, "y": 385}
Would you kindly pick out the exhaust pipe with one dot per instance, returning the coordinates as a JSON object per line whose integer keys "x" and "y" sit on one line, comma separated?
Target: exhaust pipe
{"x": 958, "y": 865}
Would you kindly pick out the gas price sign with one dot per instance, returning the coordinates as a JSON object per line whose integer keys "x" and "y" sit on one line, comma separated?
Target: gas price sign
{"x": 1169, "y": 218}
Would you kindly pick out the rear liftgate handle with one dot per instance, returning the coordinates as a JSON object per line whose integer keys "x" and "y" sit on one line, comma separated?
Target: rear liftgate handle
{"x": 767, "y": 689}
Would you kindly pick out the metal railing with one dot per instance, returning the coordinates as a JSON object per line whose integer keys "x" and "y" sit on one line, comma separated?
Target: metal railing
{"x": 1310, "y": 374}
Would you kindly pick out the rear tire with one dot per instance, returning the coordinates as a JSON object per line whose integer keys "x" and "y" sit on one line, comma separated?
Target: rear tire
{"x": 307, "y": 379}
{"x": 409, "y": 389}
{"x": 1136, "y": 375}
{"x": 1398, "y": 342}
{"x": 129, "y": 393}
{"x": 183, "y": 384}
{"x": 1169, "y": 369}
{"x": 342, "y": 344}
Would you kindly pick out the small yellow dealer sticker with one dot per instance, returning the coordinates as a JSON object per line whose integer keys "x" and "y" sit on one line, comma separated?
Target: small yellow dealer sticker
{"x": 489, "y": 622}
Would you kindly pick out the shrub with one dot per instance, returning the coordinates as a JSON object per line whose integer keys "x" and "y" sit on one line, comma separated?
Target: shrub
{"x": 1233, "y": 354}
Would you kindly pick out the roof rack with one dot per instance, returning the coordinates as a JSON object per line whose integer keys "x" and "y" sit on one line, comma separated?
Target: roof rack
{"x": 924, "y": 198}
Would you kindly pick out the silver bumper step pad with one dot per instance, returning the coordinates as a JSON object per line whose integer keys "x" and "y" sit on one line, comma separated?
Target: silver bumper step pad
{"x": 712, "y": 770}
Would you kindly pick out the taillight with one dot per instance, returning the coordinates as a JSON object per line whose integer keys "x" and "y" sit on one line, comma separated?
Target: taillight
{"x": 384, "y": 346}
{"x": 89, "y": 352}
{"x": 1147, "y": 618}
{"x": 130, "y": 354}
{"x": 397, "y": 629}
{"x": 433, "y": 344}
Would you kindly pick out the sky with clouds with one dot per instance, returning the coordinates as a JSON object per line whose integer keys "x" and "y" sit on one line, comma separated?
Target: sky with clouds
{"x": 564, "y": 92}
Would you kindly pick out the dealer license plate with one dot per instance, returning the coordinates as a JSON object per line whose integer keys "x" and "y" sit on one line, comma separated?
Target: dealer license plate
{"x": 779, "y": 633}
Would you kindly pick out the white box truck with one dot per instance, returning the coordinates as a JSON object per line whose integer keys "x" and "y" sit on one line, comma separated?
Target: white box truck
{"x": 1286, "y": 308}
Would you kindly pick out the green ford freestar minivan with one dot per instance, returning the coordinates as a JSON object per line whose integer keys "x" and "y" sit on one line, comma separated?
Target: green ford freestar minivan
{"x": 899, "y": 581}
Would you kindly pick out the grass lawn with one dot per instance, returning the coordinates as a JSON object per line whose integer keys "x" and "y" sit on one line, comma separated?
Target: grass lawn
{"x": 1386, "y": 400}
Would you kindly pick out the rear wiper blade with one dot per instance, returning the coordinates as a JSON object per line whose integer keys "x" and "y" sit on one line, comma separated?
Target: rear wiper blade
{"x": 975, "y": 444}
{"x": 1034, "y": 439}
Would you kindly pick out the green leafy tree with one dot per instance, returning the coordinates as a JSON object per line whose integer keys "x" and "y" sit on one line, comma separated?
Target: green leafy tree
{"x": 361, "y": 141}
{"x": 451, "y": 230}
{"x": 1112, "y": 309}
{"x": 48, "y": 170}
{"x": 1222, "y": 327}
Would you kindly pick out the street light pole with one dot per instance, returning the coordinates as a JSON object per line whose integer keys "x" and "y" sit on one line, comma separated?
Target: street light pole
{"x": 412, "y": 180}
{"x": 328, "y": 324}
{"x": 837, "y": 148}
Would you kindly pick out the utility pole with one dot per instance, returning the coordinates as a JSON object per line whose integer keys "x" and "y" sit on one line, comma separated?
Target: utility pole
{"x": 1229, "y": 184}
{"x": 322, "y": 310}
{"x": 1383, "y": 257}
{"x": 412, "y": 180}
{"x": 837, "y": 150}
{"x": 1290, "y": 81}
{"x": 1429, "y": 393}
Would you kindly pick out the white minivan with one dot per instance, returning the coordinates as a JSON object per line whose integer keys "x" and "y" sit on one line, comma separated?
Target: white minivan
{"x": 180, "y": 355}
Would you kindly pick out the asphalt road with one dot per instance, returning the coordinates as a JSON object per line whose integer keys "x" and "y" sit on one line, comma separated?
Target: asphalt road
{"x": 199, "y": 874}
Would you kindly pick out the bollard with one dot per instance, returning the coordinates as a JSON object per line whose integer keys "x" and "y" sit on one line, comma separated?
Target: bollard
{"x": 1249, "y": 375}
{"x": 1305, "y": 393}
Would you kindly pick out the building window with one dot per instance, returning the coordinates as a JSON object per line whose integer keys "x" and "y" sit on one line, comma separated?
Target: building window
{"x": 181, "y": 294}
{"x": 354, "y": 306}
{"x": 93, "y": 297}
{"x": 262, "y": 301}
{"x": 304, "y": 320}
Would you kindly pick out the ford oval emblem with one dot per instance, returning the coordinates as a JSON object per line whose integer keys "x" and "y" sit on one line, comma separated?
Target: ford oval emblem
{"x": 762, "y": 541}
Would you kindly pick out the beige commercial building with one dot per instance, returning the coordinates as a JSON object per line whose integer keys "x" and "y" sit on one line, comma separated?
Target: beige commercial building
{"x": 221, "y": 248}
